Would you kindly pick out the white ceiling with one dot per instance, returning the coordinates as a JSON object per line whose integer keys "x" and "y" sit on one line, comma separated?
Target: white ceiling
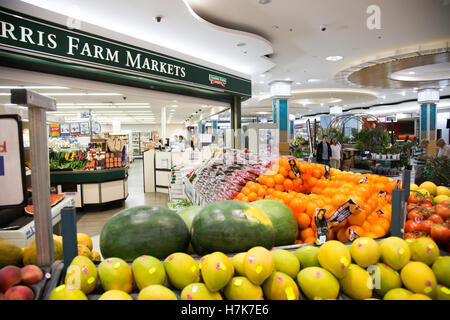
{"x": 288, "y": 31}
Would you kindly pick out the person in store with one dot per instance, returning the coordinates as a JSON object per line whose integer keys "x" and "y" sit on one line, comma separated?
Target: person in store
{"x": 182, "y": 142}
{"x": 336, "y": 154}
{"x": 324, "y": 151}
{"x": 420, "y": 160}
{"x": 444, "y": 149}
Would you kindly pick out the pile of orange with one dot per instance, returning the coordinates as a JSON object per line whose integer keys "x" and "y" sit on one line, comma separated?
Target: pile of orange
{"x": 305, "y": 195}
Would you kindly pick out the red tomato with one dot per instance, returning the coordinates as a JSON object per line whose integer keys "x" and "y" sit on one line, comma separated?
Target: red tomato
{"x": 412, "y": 226}
{"x": 409, "y": 235}
{"x": 440, "y": 233}
{"x": 443, "y": 210}
{"x": 426, "y": 226}
{"x": 411, "y": 206}
{"x": 415, "y": 214}
{"x": 426, "y": 205}
{"x": 415, "y": 198}
{"x": 436, "y": 219}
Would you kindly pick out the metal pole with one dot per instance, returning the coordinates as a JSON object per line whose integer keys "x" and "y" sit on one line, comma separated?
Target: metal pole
{"x": 398, "y": 213}
{"x": 406, "y": 183}
{"x": 69, "y": 233}
{"x": 40, "y": 178}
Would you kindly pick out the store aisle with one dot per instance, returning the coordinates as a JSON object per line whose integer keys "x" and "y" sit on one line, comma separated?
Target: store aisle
{"x": 91, "y": 222}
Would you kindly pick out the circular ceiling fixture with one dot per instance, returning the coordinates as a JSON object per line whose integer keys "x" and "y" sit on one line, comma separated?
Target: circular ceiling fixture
{"x": 429, "y": 72}
{"x": 333, "y": 58}
{"x": 264, "y": 1}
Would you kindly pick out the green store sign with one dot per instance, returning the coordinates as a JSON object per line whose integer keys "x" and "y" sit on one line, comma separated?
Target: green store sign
{"x": 30, "y": 36}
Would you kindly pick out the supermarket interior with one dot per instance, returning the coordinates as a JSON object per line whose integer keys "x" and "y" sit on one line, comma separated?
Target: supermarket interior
{"x": 224, "y": 150}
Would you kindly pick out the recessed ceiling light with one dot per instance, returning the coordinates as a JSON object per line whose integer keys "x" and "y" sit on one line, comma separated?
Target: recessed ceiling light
{"x": 264, "y": 1}
{"x": 314, "y": 80}
{"x": 241, "y": 44}
{"x": 298, "y": 83}
{"x": 262, "y": 75}
{"x": 411, "y": 72}
{"x": 333, "y": 58}
{"x": 261, "y": 82}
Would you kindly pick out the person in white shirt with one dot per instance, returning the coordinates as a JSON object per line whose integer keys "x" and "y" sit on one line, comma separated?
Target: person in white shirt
{"x": 444, "y": 149}
{"x": 336, "y": 154}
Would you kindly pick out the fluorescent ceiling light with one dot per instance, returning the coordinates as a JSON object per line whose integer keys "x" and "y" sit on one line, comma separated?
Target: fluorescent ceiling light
{"x": 80, "y": 94}
{"x": 33, "y": 87}
{"x": 333, "y": 58}
{"x": 4, "y": 94}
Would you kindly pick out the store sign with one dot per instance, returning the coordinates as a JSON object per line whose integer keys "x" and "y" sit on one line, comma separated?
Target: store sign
{"x": 84, "y": 128}
{"x": 12, "y": 164}
{"x": 31, "y": 36}
{"x": 75, "y": 128}
{"x": 54, "y": 130}
{"x": 65, "y": 129}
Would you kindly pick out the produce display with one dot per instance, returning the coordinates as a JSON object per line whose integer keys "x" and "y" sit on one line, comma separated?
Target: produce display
{"x": 390, "y": 269}
{"x": 54, "y": 200}
{"x": 353, "y": 204}
{"x": 67, "y": 160}
{"x": 429, "y": 213}
{"x": 225, "y": 174}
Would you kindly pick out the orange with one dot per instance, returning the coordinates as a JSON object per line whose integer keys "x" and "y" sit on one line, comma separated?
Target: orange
{"x": 370, "y": 235}
{"x": 303, "y": 220}
{"x": 288, "y": 184}
{"x": 316, "y": 173}
{"x": 254, "y": 187}
{"x": 384, "y": 223}
{"x": 252, "y": 196}
{"x": 298, "y": 206}
{"x": 357, "y": 229}
{"x": 366, "y": 226}
{"x": 377, "y": 230}
{"x": 306, "y": 233}
{"x": 270, "y": 182}
{"x": 310, "y": 239}
{"x": 279, "y": 187}
{"x": 270, "y": 191}
{"x": 357, "y": 218}
{"x": 279, "y": 179}
{"x": 244, "y": 198}
{"x": 261, "y": 192}
{"x": 292, "y": 174}
{"x": 341, "y": 235}
{"x": 245, "y": 190}
{"x": 262, "y": 179}
{"x": 288, "y": 198}
{"x": 311, "y": 209}
{"x": 284, "y": 172}
{"x": 298, "y": 241}
{"x": 372, "y": 218}
{"x": 285, "y": 164}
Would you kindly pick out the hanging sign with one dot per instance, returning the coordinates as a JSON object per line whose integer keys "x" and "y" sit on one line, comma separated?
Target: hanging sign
{"x": 75, "y": 128}
{"x": 30, "y": 36}
{"x": 12, "y": 163}
{"x": 64, "y": 129}
{"x": 54, "y": 130}
{"x": 84, "y": 128}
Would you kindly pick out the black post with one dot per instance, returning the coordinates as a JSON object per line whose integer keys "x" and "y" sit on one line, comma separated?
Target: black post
{"x": 406, "y": 183}
{"x": 398, "y": 213}
{"x": 69, "y": 234}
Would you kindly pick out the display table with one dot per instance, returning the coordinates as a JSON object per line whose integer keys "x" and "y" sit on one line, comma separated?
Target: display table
{"x": 25, "y": 232}
{"x": 92, "y": 187}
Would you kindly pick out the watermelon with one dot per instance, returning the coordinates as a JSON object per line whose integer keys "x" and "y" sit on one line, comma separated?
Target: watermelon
{"x": 188, "y": 214}
{"x": 54, "y": 200}
{"x": 283, "y": 220}
{"x": 144, "y": 230}
{"x": 231, "y": 226}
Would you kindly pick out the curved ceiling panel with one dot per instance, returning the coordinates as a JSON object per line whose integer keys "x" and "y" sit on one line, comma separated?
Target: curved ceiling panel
{"x": 180, "y": 29}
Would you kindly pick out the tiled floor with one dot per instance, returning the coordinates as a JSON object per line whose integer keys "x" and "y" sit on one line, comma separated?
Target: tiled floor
{"x": 91, "y": 222}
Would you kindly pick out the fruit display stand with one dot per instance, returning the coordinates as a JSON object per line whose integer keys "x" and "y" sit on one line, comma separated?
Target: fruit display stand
{"x": 22, "y": 230}
{"x": 95, "y": 187}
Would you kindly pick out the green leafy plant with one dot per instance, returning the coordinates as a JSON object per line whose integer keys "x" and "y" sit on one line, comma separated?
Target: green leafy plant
{"x": 370, "y": 139}
{"x": 438, "y": 172}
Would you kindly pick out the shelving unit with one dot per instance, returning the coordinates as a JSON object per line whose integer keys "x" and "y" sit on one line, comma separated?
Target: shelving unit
{"x": 138, "y": 140}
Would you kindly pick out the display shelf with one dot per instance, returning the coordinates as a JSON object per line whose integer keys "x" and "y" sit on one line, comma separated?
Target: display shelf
{"x": 25, "y": 232}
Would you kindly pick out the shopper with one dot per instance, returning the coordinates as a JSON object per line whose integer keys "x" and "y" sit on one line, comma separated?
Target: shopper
{"x": 419, "y": 161}
{"x": 336, "y": 154}
{"x": 323, "y": 151}
{"x": 444, "y": 149}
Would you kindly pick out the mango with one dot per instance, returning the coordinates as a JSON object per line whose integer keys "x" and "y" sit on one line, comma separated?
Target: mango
{"x": 418, "y": 296}
{"x": 240, "y": 288}
{"x": 419, "y": 278}
{"x": 258, "y": 265}
{"x": 395, "y": 252}
{"x": 384, "y": 278}
{"x": 148, "y": 270}
{"x": 82, "y": 274}
{"x": 335, "y": 257}
{"x": 441, "y": 269}
{"x": 199, "y": 291}
{"x": 181, "y": 270}
{"x": 307, "y": 256}
{"x": 424, "y": 250}
{"x": 280, "y": 286}
{"x": 64, "y": 292}
{"x": 442, "y": 292}
{"x": 365, "y": 251}
{"x": 115, "y": 295}
{"x": 397, "y": 294}
{"x": 115, "y": 274}
{"x": 238, "y": 263}
{"x": 318, "y": 283}
{"x": 286, "y": 262}
{"x": 356, "y": 283}
{"x": 217, "y": 270}
{"x": 156, "y": 292}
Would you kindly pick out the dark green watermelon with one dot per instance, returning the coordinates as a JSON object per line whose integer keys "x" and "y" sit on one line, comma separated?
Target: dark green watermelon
{"x": 283, "y": 220}
{"x": 144, "y": 230}
{"x": 231, "y": 226}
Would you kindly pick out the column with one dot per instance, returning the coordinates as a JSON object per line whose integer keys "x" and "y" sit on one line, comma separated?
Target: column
{"x": 214, "y": 127}
{"x": 236, "y": 120}
{"x": 163, "y": 124}
{"x": 428, "y": 98}
{"x": 280, "y": 92}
